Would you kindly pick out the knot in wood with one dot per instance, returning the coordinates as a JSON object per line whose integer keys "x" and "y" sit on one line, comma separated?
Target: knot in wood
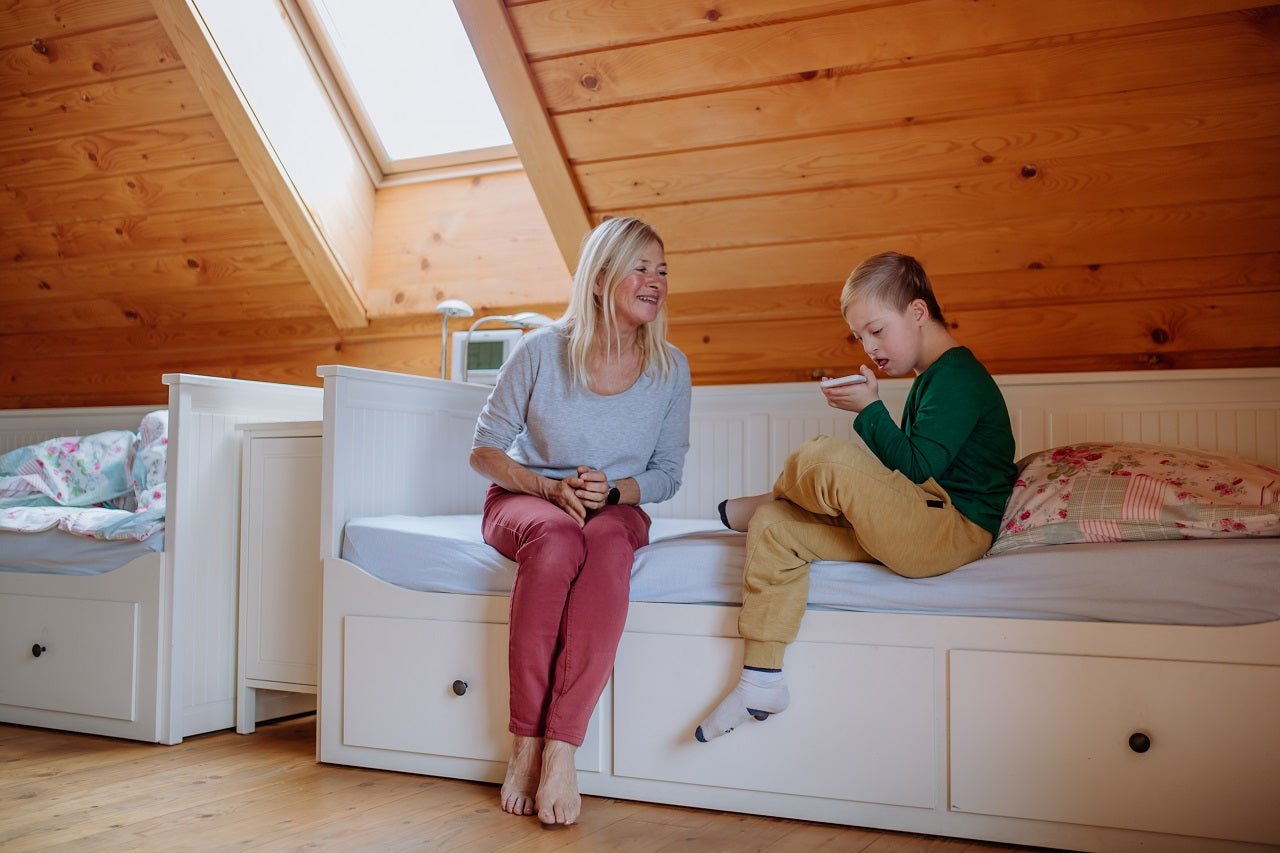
{"x": 590, "y": 81}
{"x": 1029, "y": 171}
{"x": 1159, "y": 336}
{"x": 38, "y": 45}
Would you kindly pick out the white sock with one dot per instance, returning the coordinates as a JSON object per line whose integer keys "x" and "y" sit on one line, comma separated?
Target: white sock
{"x": 758, "y": 695}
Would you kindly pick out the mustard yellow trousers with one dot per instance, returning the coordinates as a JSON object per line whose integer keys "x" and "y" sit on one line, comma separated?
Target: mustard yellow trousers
{"x": 836, "y": 501}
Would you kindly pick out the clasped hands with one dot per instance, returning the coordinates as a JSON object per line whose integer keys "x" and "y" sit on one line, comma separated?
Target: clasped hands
{"x": 581, "y": 493}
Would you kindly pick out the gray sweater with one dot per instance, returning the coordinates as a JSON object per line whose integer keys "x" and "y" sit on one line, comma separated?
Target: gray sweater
{"x": 551, "y": 425}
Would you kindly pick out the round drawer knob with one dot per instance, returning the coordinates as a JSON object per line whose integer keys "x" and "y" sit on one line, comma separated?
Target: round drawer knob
{"x": 1139, "y": 742}
{"x": 459, "y": 687}
{"x": 37, "y": 650}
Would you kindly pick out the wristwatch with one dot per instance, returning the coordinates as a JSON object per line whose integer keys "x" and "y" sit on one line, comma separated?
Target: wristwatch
{"x": 614, "y": 496}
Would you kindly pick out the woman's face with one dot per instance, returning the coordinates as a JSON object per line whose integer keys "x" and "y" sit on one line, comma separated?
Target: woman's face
{"x": 643, "y": 290}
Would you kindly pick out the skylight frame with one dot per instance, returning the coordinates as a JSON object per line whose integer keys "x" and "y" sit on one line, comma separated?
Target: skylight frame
{"x": 311, "y": 16}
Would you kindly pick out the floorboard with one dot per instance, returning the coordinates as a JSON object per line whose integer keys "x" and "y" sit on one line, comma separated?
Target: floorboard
{"x": 265, "y": 791}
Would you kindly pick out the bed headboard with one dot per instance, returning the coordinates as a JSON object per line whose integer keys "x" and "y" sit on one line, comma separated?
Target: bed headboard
{"x": 741, "y": 434}
{"x": 20, "y": 427}
{"x": 398, "y": 444}
{"x": 395, "y": 444}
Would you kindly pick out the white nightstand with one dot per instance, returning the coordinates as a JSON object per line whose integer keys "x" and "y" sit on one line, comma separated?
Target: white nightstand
{"x": 280, "y": 571}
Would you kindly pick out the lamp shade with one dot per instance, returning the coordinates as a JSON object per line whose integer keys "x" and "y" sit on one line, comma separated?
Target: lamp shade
{"x": 454, "y": 308}
{"x": 449, "y": 308}
{"x": 529, "y": 320}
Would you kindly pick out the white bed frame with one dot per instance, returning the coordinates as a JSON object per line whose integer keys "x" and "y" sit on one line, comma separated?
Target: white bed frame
{"x": 1001, "y": 729}
{"x": 147, "y": 651}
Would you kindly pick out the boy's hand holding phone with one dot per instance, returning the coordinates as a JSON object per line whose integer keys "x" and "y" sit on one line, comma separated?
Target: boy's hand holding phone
{"x": 852, "y": 393}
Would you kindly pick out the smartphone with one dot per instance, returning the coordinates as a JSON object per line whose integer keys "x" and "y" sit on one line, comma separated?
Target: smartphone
{"x": 851, "y": 379}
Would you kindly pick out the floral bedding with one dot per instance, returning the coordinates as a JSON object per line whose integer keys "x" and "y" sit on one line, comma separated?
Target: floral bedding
{"x": 1121, "y": 492}
{"x": 109, "y": 485}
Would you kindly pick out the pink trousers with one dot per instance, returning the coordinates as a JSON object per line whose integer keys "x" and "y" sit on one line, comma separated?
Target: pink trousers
{"x": 568, "y": 606}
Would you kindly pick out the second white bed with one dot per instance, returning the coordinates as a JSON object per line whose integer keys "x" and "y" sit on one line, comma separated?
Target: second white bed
{"x": 139, "y": 645}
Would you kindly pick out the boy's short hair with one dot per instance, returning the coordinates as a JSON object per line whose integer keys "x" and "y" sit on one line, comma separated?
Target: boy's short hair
{"x": 893, "y": 279}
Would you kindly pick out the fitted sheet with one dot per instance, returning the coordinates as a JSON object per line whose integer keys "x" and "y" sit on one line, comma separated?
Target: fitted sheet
{"x": 56, "y": 552}
{"x": 697, "y": 561}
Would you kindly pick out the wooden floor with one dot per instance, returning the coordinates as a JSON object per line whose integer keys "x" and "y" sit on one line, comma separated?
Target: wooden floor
{"x": 265, "y": 791}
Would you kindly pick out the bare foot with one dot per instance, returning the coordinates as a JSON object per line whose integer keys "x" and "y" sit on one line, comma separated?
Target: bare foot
{"x": 739, "y": 510}
{"x": 558, "y": 799}
{"x": 523, "y": 771}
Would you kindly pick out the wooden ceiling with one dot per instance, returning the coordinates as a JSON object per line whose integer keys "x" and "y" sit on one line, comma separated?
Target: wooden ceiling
{"x": 128, "y": 220}
{"x": 1093, "y": 186}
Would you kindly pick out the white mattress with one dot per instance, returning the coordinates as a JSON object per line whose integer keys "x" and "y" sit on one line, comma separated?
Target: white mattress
{"x": 1218, "y": 582}
{"x": 56, "y": 552}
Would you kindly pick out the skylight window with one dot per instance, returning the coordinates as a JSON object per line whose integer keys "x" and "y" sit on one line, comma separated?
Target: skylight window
{"x": 409, "y": 74}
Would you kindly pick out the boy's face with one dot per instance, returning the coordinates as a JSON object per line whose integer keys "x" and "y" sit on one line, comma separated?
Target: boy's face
{"x": 892, "y": 338}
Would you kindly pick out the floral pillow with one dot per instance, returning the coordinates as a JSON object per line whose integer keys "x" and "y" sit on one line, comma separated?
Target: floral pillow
{"x": 146, "y": 463}
{"x": 1121, "y": 492}
{"x": 69, "y": 471}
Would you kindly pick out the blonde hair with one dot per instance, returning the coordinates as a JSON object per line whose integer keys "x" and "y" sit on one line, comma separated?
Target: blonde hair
{"x": 893, "y": 279}
{"x": 608, "y": 255}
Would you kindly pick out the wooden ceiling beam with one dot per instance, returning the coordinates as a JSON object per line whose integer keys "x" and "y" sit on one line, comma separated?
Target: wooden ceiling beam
{"x": 503, "y": 61}
{"x": 280, "y": 192}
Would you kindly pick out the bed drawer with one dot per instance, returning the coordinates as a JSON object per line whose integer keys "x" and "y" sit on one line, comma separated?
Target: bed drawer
{"x": 68, "y": 654}
{"x": 432, "y": 687}
{"x": 873, "y": 704}
{"x": 1167, "y": 746}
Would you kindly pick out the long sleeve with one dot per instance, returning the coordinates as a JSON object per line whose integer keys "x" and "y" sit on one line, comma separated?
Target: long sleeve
{"x": 506, "y": 411}
{"x": 661, "y": 478}
{"x": 955, "y": 429}
{"x": 940, "y": 427}
{"x": 550, "y": 424}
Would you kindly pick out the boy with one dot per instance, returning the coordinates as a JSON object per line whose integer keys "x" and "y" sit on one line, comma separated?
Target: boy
{"x": 928, "y": 501}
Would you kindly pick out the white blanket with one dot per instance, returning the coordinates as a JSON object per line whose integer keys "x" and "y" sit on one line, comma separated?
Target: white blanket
{"x": 697, "y": 561}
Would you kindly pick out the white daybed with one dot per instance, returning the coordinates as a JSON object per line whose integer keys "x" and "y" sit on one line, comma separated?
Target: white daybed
{"x": 146, "y": 651}
{"x": 1006, "y": 729}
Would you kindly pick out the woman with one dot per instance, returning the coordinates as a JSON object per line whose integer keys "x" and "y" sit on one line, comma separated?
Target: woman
{"x": 589, "y": 419}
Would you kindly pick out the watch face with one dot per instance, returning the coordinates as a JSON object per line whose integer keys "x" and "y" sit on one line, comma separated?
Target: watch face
{"x": 614, "y": 496}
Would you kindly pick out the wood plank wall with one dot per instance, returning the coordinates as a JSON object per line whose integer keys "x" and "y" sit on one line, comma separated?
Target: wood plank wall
{"x": 128, "y": 224}
{"x": 1093, "y": 186}
{"x": 482, "y": 239}
{"x": 132, "y": 242}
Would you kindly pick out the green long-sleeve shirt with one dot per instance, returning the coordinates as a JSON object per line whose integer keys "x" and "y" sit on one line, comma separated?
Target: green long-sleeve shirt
{"x": 955, "y": 429}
